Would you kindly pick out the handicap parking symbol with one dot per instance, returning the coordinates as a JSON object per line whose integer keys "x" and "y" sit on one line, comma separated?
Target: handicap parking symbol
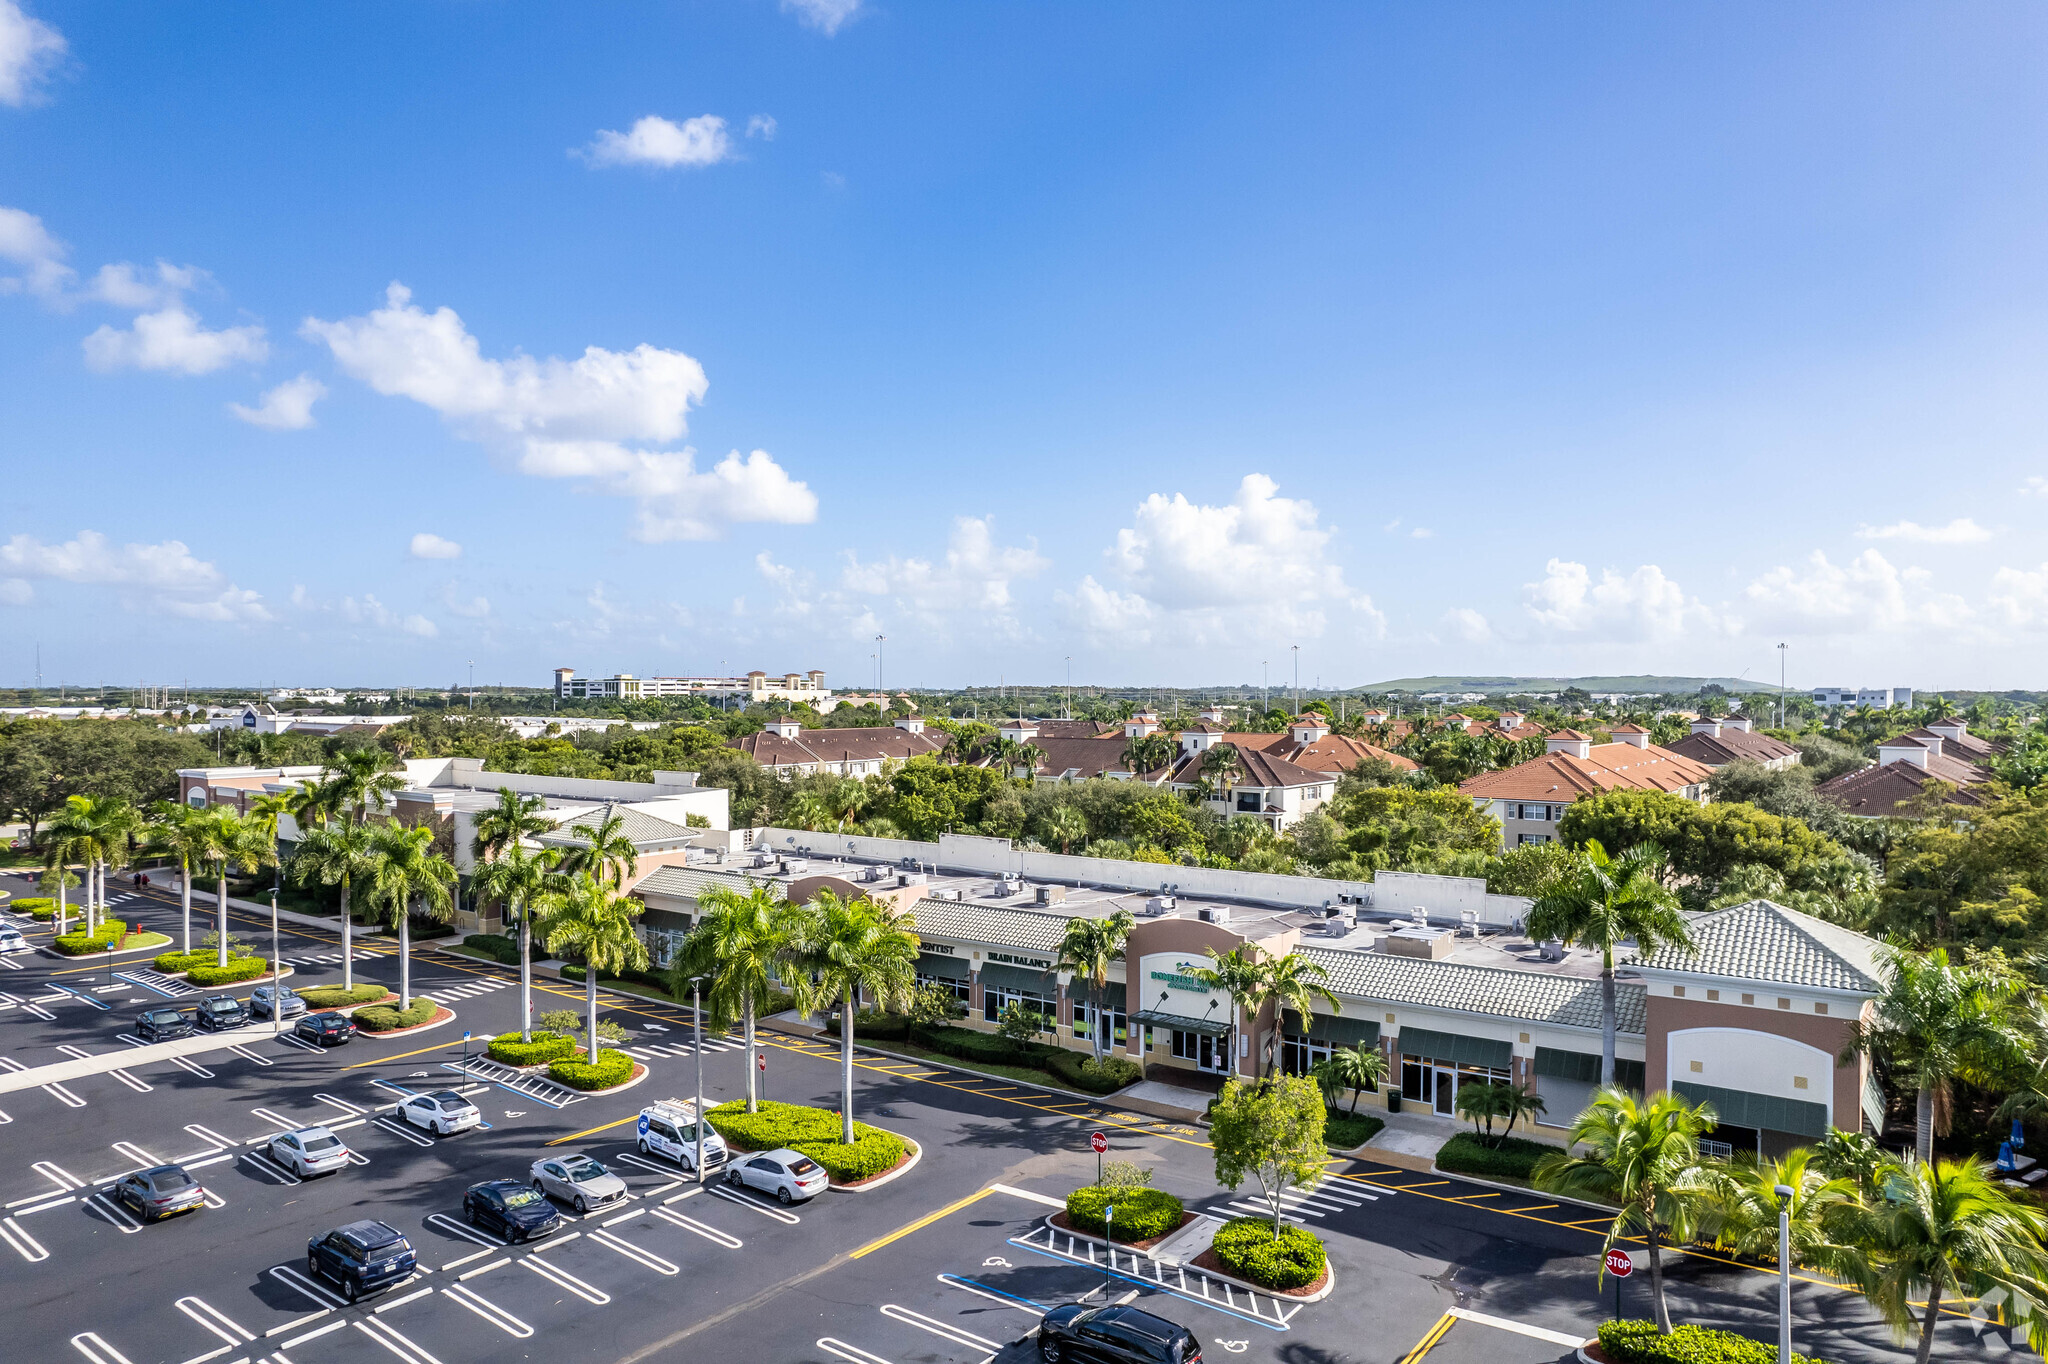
{"x": 995, "y": 1262}
{"x": 1236, "y": 1347}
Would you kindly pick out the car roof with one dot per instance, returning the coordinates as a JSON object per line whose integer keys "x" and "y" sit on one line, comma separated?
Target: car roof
{"x": 1143, "y": 1322}
{"x": 447, "y": 1096}
{"x": 371, "y": 1233}
{"x": 784, "y": 1155}
{"x": 314, "y": 1131}
{"x": 504, "y": 1185}
{"x": 153, "y": 1171}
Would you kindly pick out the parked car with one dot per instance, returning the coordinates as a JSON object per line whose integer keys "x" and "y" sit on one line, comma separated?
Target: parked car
{"x": 156, "y": 1194}
{"x": 309, "y": 1151}
{"x": 260, "y": 997}
{"x": 161, "y": 1025}
{"x": 443, "y": 1112}
{"x": 669, "y": 1128}
{"x": 1115, "y": 1335}
{"x": 12, "y": 941}
{"x": 579, "y": 1181}
{"x": 361, "y": 1257}
{"x": 790, "y": 1175}
{"x": 328, "y": 1028}
{"x": 509, "y": 1208}
{"x": 217, "y": 1013}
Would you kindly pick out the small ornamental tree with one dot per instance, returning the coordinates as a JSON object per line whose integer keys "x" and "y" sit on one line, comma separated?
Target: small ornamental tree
{"x": 1271, "y": 1131}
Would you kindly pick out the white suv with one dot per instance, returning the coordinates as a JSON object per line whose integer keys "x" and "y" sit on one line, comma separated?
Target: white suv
{"x": 669, "y": 1128}
{"x": 443, "y": 1112}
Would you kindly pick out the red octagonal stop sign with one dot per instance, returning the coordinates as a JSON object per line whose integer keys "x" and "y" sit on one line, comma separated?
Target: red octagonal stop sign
{"x": 1098, "y": 1143}
{"x": 1619, "y": 1264}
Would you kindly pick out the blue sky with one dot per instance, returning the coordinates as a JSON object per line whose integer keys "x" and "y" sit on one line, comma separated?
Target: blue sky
{"x": 352, "y": 344}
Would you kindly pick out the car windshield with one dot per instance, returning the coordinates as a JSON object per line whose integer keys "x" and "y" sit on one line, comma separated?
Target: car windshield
{"x": 222, "y": 1006}
{"x": 325, "y": 1141}
{"x": 583, "y": 1167}
{"x": 167, "y": 1180}
{"x": 448, "y": 1098}
{"x": 801, "y": 1166}
{"x": 521, "y": 1198}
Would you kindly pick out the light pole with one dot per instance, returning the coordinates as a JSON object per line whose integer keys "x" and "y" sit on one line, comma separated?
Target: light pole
{"x": 1070, "y": 688}
{"x": 276, "y": 973}
{"x": 878, "y": 662}
{"x": 1784, "y": 1192}
{"x": 1297, "y": 679}
{"x": 697, "y": 1027}
{"x": 472, "y": 684}
{"x": 1265, "y": 701}
{"x": 1781, "y": 686}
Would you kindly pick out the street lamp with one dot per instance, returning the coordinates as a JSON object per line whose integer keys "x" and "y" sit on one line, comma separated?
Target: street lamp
{"x": 697, "y": 1026}
{"x": 1297, "y": 679}
{"x": 1784, "y": 1192}
{"x": 276, "y": 972}
{"x": 878, "y": 661}
{"x": 1781, "y": 686}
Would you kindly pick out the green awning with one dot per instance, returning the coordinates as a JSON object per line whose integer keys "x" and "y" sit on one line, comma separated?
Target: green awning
{"x": 941, "y": 968}
{"x": 1337, "y": 1032}
{"x": 1765, "y": 1112}
{"x": 1584, "y": 1066}
{"x": 1213, "y": 1027}
{"x": 996, "y": 976}
{"x": 1456, "y": 1048}
{"x": 1110, "y": 996}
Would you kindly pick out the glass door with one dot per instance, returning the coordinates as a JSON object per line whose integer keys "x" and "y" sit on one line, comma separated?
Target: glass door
{"x": 1446, "y": 1089}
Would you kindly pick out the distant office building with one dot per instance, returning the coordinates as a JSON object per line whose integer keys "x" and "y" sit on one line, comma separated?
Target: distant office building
{"x": 1873, "y": 698}
{"x": 757, "y": 686}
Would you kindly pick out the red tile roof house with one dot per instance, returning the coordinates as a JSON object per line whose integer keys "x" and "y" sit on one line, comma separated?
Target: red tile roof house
{"x": 1720, "y": 742}
{"x": 1530, "y": 798}
{"x": 1945, "y": 751}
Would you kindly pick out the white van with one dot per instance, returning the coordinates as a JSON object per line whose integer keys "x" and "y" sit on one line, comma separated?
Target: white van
{"x": 669, "y": 1128}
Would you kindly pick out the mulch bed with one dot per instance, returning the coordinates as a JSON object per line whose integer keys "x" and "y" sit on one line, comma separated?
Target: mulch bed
{"x": 1059, "y": 1219}
{"x": 1210, "y": 1261}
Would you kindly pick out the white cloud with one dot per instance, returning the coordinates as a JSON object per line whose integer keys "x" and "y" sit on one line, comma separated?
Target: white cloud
{"x": 824, "y": 15}
{"x": 1867, "y": 595}
{"x": 123, "y": 286}
{"x": 2020, "y": 596}
{"x": 173, "y": 578}
{"x": 1961, "y": 531}
{"x": 1644, "y": 605}
{"x": 370, "y": 611}
{"x": 288, "y": 407}
{"x": 1420, "y": 533}
{"x": 474, "y": 608}
{"x": 427, "y": 545}
{"x": 762, "y": 126}
{"x": 16, "y": 592}
{"x": 2036, "y": 486}
{"x": 1109, "y": 614}
{"x": 29, "y": 49}
{"x": 1470, "y": 625}
{"x": 173, "y": 339}
{"x": 570, "y": 418}
{"x": 975, "y": 574}
{"x": 233, "y": 604}
{"x": 26, "y": 243}
{"x": 654, "y": 141}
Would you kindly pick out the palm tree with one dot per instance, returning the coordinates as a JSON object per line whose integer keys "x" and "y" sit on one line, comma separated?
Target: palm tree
{"x": 404, "y": 869}
{"x": 597, "y": 923}
{"x": 606, "y": 852}
{"x": 513, "y": 818}
{"x": 312, "y": 803}
{"x": 1356, "y": 1068}
{"x": 1608, "y": 900}
{"x": 1223, "y": 765}
{"x": 1148, "y": 754}
{"x": 264, "y": 812}
{"x": 177, "y": 831}
{"x": 741, "y": 937}
{"x": 1237, "y": 974}
{"x": 1645, "y": 1160}
{"x": 1819, "y": 1211}
{"x": 68, "y": 838}
{"x": 808, "y": 810}
{"x": 1944, "y": 1227}
{"x": 361, "y": 779}
{"x": 847, "y": 799}
{"x": 230, "y": 839}
{"x": 845, "y": 947}
{"x": 1088, "y": 948}
{"x": 1289, "y": 982}
{"x": 520, "y": 879}
{"x": 339, "y": 854}
{"x": 1937, "y": 1023}
{"x": 1066, "y": 826}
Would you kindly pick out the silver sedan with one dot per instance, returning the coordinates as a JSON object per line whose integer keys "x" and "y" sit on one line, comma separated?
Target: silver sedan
{"x": 579, "y": 1181}
{"x": 309, "y": 1151}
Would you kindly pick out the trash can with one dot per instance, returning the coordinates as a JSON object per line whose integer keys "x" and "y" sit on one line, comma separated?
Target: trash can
{"x": 1393, "y": 1101}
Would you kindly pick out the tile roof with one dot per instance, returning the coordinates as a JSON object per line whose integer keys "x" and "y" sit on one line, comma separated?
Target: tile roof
{"x": 1490, "y": 991}
{"x": 644, "y": 829}
{"x": 1609, "y": 767}
{"x": 995, "y": 925}
{"x": 1627, "y": 729}
{"x": 1731, "y": 744}
{"x": 1878, "y": 791}
{"x": 1568, "y": 734}
{"x": 687, "y": 883}
{"x": 812, "y": 746}
{"x": 1084, "y": 757}
{"x": 1766, "y": 942}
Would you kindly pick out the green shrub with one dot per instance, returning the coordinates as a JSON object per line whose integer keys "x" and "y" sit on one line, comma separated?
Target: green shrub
{"x": 1639, "y": 1342}
{"x": 970, "y": 1045}
{"x": 1246, "y": 1248}
{"x": 873, "y": 1025}
{"x": 545, "y": 1046}
{"x": 497, "y": 946}
{"x": 611, "y": 1068}
{"x": 1515, "y": 1157}
{"x": 384, "y": 1018}
{"x": 574, "y": 971}
{"x": 1343, "y": 1131}
{"x": 38, "y": 906}
{"x": 101, "y": 939}
{"x": 238, "y": 968}
{"x": 334, "y": 997}
{"x": 814, "y": 1132}
{"x": 1083, "y": 1072}
{"x": 170, "y": 963}
{"x": 1141, "y": 1213}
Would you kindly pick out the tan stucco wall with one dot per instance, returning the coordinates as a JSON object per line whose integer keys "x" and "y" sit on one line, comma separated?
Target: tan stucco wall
{"x": 1828, "y": 1033}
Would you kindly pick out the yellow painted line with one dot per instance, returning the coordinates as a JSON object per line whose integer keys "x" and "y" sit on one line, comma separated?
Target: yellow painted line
{"x": 1425, "y": 1184}
{"x": 380, "y": 1060}
{"x": 1429, "y": 1339}
{"x": 1468, "y": 1198}
{"x": 593, "y": 1131}
{"x": 1003, "y": 1089}
{"x": 1538, "y": 1208}
{"x": 921, "y": 1222}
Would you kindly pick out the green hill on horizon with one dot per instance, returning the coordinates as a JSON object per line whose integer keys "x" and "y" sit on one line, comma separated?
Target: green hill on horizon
{"x": 1502, "y": 686}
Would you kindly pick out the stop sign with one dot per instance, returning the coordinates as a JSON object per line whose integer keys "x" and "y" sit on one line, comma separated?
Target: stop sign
{"x": 1098, "y": 1143}
{"x": 1619, "y": 1264}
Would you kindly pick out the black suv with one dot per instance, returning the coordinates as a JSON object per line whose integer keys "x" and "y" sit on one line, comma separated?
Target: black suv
{"x": 327, "y": 1028}
{"x": 161, "y": 1025}
{"x": 1115, "y": 1335}
{"x": 511, "y": 1209}
{"x": 217, "y": 1012}
{"x": 362, "y": 1257}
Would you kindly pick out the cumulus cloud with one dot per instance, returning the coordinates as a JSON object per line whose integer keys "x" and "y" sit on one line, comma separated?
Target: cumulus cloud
{"x": 654, "y": 141}
{"x": 974, "y": 575}
{"x": 174, "y": 340}
{"x": 762, "y": 126}
{"x": 1109, "y": 614}
{"x": 1638, "y": 606}
{"x": 2035, "y": 486}
{"x": 288, "y": 407}
{"x": 570, "y": 418}
{"x": 1470, "y": 625}
{"x": 26, "y": 244}
{"x": 427, "y": 545}
{"x": 473, "y": 607}
{"x": 2019, "y": 597}
{"x": 126, "y": 286}
{"x": 1961, "y": 531}
{"x": 165, "y": 575}
{"x": 29, "y": 50}
{"x": 1866, "y": 595}
{"x": 826, "y": 16}
{"x": 370, "y": 611}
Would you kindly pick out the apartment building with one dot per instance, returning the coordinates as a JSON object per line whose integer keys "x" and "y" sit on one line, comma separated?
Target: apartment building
{"x": 756, "y": 687}
{"x": 1716, "y": 743}
{"x": 1530, "y": 798}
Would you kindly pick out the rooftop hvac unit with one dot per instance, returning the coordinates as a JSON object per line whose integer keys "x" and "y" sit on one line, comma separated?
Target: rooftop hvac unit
{"x": 1052, "y": 895}
{"x": 910, "y": 878}
{"x": 1468, "y": 923}
{"x": 1215, "y": 914}
{"x": 1159, "y": 904}
{"x": 951, "y": 894}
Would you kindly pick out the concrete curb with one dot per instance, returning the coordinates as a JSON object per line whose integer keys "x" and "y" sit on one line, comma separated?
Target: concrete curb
{"x": 1329, "y": 1283}
{"x": 154, "y": 950}
{"x": 403, "y": 1032}
{"x": 640, "y": 1073}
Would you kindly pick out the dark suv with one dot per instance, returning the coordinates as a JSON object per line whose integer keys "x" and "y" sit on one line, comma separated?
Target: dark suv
{"x": 161, "y": 1025}
{"x": 1115, "y": 1335}
{"x": 327, "y": 1028}
{"x": 509, "y": 1208}
{"x": 217, "y": 1012}
{"x": 362, "y": 1257}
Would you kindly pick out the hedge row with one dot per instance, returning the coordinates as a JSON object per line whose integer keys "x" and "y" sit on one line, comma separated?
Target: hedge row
{"x": 1247, "y": 1249}
{"x": 39, "y": 906}
{"x": 1346, "y": 1131}
{"x": 546, "y": 1046}
{"x": 1515, "y": 1157}
{"x": 611, "y": 1068}
{"x": 101, "y": 939}
{"x": 873, "y": 1025}
{"x": 237, "y": 969}
{"x": 385, "y": 1018}
{"x": 574, "y": 971}
{"x": 496, "y": 946}
{"x": 1141, "y": 1213}
{"x": 334, "y": 997}
{"x": 1084, "y": 1072}
{"x": 1638, "y": 1342}
{"x": 170, "y": 963}
{"x": 814, "y": 1132}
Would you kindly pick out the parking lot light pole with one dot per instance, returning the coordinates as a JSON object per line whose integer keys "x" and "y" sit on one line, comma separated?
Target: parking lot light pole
{"x": 276, "y": 972}
{"x": 1784, "y": 1192}
{"x": 697, "y": 1026}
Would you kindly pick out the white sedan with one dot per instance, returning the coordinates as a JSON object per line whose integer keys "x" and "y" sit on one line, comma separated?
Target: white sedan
{"x": 790, "y": 1175}
{"x": 12, "y": 941}
{"x": 309, "y": 1151}
{"x": 443, "y": 1112}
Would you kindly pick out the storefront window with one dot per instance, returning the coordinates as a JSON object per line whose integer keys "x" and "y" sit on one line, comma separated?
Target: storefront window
{"x": 994, "y": 1001}
{"x": 959, "y": 989}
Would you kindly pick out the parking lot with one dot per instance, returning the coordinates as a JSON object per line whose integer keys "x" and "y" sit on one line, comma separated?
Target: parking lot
{"x": 952, "y": 1262}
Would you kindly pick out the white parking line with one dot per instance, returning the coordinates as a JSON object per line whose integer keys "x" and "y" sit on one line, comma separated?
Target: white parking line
{"x": 383, "y": 1333}
{"x": 213, "y": 1138}
{"x": 270, "y": 1168}
{"x": 247, "y": 1055}
{"x": 113, "y": 1212}
{"x": 469, "y": 1258}
{"x": 342, "y": 1104}
{"x": 709, "y": 1233}
{"x": 306, "y": 1287}
{"x": 136, "y": 1154}
{"x": 852, "y": 1353}
{"x": 211, "y": 1317}
{"x": 23, "y": 1244}
{"x": 441, "y": 1221}
{"x": 766, "y": 1210}
{"x": 315, "y": 1334}
{"x": 291, "y": 1040}
{"x": 98, "y": 1351}
{"x": 481, "y": 1269}
{"x": 622, "y": 1217}
{"x": 939, "y": 1328}
{"x": 400, "y": 1302}
{"x": 397, "y": 1131}
{"x": 633, "y": 1252}
{"x": 490, "y": 1312}
{"x": 296, "y": 1322}
{"x": 562, "y": 1278}
{"x": 45, "y": 1205}
{"x": 286, "y": 1123}
{"x": 629, "y": 1158}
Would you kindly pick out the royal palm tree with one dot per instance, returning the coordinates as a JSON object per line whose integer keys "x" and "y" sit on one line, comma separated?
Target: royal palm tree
{"x": 1223, "y": 764}
{"x": 363, "y": 779}
{"x": 740, "y": 939}
{"x": 1289, "y": 982}
{"x": 1645, "y": 1160}
{"x": 590, "y": 918}
{"x": 1608, "y": 900}
{"x": 408, "y": 876}
{"x": 1950, "y": 1227}
{"x": 843, "y": 948}
{"x": 1355, "y": 1068}
{"x": 1239, "y": 975}
{"x": 1066, "y": 826}
{"x": 67, "y": 838}
{"x": 808, "y": 810}
{"x": 176, "y": 831}
{"x": 312, "y": 804}
{"x": 519, "y": 879}
{"x": 1088, "y": 948}
{"x": 230, "y": 839}
{"x": 606, "y": 852}
{"x": 1938, "y": 1022}
{"x": 512, "y": 819}
{"x": 847, "y": 799}
{"x": 264, "y": 812}
{"x": 1817, "y": 1214}
{"x": 338, "y": 854}
{"x": 1148, "y": 754}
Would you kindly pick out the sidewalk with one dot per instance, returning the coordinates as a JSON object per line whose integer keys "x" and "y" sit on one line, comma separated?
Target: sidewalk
{"x": 284, "y": 916}
{"x": 1411, "y": 1140}
{"x": 36, "y": 1076}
